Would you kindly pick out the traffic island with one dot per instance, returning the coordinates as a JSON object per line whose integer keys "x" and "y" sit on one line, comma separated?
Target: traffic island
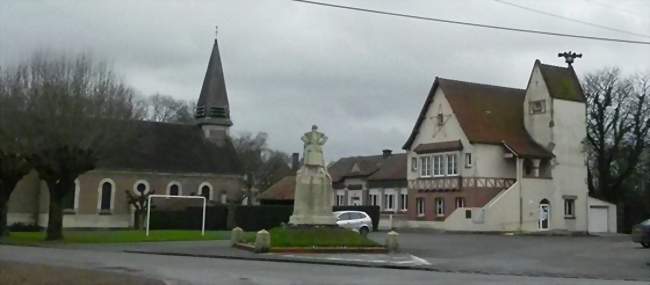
{"x": 309, "y": 240}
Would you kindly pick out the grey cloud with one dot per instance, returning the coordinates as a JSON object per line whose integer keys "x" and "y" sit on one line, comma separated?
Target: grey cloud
{"x": 361, "y": 77}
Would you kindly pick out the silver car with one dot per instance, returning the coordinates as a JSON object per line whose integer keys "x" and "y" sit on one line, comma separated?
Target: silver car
{"x": 354, "y": 220}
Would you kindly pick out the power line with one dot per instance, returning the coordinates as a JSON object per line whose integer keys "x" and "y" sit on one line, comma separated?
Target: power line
{"x": 479, "y": 25}
{"x": 570, "y": 19}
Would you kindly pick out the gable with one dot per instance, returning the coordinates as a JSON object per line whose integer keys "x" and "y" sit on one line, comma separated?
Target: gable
{"x": 486, "y": 114}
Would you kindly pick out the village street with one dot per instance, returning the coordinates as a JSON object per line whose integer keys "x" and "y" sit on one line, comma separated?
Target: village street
{"x": 449, "y": 258}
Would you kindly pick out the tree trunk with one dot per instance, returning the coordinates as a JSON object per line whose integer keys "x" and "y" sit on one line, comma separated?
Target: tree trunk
{"x": 6, "y": 187}
{"x": 230, "y": 218}
{"x": 4, "y": 209}
{"x": 55, "y": 217}
{"x": 138, "y": 220}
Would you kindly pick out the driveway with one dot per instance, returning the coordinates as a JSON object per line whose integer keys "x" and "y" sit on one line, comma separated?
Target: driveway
{"x": 588, "y": 256}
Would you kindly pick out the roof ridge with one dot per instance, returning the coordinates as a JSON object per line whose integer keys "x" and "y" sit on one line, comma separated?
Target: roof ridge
{"x": 481, "y": 84}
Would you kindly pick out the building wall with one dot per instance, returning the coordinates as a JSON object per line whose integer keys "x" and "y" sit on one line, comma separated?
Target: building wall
{"x": 489, "y": 161}
{"x": 87, "y": 213}
{"x": 569, "y": 166}
{"x": 539, "y": 125}
{"x": 431, "y": 132}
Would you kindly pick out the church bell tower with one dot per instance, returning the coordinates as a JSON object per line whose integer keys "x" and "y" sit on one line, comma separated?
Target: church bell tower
{"x": 212, "y": 110}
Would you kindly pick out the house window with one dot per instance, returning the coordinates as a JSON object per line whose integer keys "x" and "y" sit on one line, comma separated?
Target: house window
{"x": 440, "y": 207}
{"x": 569, "y": 208}
{"x": 389, "y": 202}
{"x": 425, "y": 166}
{"x": 403, "y": 201}
{"x": 460, "y": 202}
{"x": 373, "y": 200}
{"x": 414, "y": 164}
{"x": 537, "y": 107}
{"x": 436, "y": 165}
{"x": 468, "y": 160}
{"x": 340, "y": 199}
{"x": 419, "y": 205}
{"x": 106, "y": 194}
{"x": 451, "y": 165}
{"x": 174, "y": 189}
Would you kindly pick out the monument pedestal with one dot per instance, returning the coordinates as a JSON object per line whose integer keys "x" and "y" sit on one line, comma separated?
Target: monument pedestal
{"x": 313, "y": 197}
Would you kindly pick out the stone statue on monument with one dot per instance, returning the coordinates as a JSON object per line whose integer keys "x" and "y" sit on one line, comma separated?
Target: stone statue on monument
{"x": 312, "y": 204}
{"x": 313, "y": 151}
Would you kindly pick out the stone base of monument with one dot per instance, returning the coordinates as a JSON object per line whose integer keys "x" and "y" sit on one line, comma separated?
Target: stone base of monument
{"x": 309, "y": 239}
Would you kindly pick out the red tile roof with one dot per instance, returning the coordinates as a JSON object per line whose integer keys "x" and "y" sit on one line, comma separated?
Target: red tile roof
{"x": 281, "y": 190}
{"x": 439, "y": 147}
{"x": 487, "y": 114}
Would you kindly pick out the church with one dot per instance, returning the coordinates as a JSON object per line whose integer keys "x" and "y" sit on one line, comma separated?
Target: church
{"x": 166, "y": 158}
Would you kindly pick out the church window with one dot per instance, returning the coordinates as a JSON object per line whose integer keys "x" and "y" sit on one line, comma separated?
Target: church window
{"x": 205, "y": 190}
{"x": 106, "y": 195}
{"x": 174, "y": 189}
{"x": 141, "y": 187}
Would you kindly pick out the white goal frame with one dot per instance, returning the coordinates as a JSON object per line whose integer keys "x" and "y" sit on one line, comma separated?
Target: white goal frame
{"x": 175, "y": 196}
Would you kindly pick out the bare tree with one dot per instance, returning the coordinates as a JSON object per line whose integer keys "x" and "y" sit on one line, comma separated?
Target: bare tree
{"x": 13, "y": 161}
{"x": 618, "y": 121}
{"x": 139, "y": 203}
{"x": 76, "y": 109}
{"x": 262, "y": 165}
{"x": 164, "y": 108}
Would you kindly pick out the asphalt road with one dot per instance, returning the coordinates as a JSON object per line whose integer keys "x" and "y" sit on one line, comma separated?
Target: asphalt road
{"x": 614, "y": 257}
{"x": 192, "y": 270}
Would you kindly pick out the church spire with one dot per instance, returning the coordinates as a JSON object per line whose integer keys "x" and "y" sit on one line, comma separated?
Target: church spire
{"x": 212, "y": 107}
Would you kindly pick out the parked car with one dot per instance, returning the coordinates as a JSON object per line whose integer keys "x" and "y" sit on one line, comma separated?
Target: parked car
{"x": 641, "y": 233}
{"x": 354, "y": 220}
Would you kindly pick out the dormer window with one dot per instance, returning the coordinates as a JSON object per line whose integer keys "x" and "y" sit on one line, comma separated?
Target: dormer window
{"x": 537, "y": 107}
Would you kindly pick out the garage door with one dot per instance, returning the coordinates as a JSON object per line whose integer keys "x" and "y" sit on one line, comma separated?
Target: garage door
{"x": 597, "y": 219}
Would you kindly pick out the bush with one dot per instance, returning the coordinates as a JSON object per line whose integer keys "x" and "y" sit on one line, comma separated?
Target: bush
{"x": 21, "y": 227}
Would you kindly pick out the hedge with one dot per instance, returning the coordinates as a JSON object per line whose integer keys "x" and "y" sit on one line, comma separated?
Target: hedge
{"x": 190, "y": 218}
{"x": 249, "y": 218}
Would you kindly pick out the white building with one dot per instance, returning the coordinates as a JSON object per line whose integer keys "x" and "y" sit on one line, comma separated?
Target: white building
{"x": 490, "y": 158}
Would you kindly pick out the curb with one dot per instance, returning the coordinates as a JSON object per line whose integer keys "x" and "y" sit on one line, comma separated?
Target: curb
{"x": 383, "y": 266}
{"x": 370, "y": 250}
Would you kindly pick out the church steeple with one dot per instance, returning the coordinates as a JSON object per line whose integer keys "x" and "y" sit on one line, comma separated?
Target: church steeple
{"x": 212, "y": 107}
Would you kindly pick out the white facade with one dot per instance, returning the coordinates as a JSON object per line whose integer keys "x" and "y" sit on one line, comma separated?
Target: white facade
{"x": 549, "y": 193}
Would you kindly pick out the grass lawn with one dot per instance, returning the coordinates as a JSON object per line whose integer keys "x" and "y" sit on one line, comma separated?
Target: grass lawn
{"x": 281, "y": 237}
{"x": 116, "y": 236}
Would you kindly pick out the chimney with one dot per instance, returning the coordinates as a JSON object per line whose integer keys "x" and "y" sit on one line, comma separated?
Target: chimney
{"x": 295, "y": 161}
{"x": 386, "y": 153}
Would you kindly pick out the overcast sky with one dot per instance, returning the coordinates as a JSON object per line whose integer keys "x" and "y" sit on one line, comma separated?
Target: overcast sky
{"x": 361, "y": 77}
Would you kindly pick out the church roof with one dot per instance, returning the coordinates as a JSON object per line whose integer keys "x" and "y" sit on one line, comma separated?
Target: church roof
{"x": 174, "y": 148}
{"x": 213, "y": 101}
{"x": 487, "y": 114}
